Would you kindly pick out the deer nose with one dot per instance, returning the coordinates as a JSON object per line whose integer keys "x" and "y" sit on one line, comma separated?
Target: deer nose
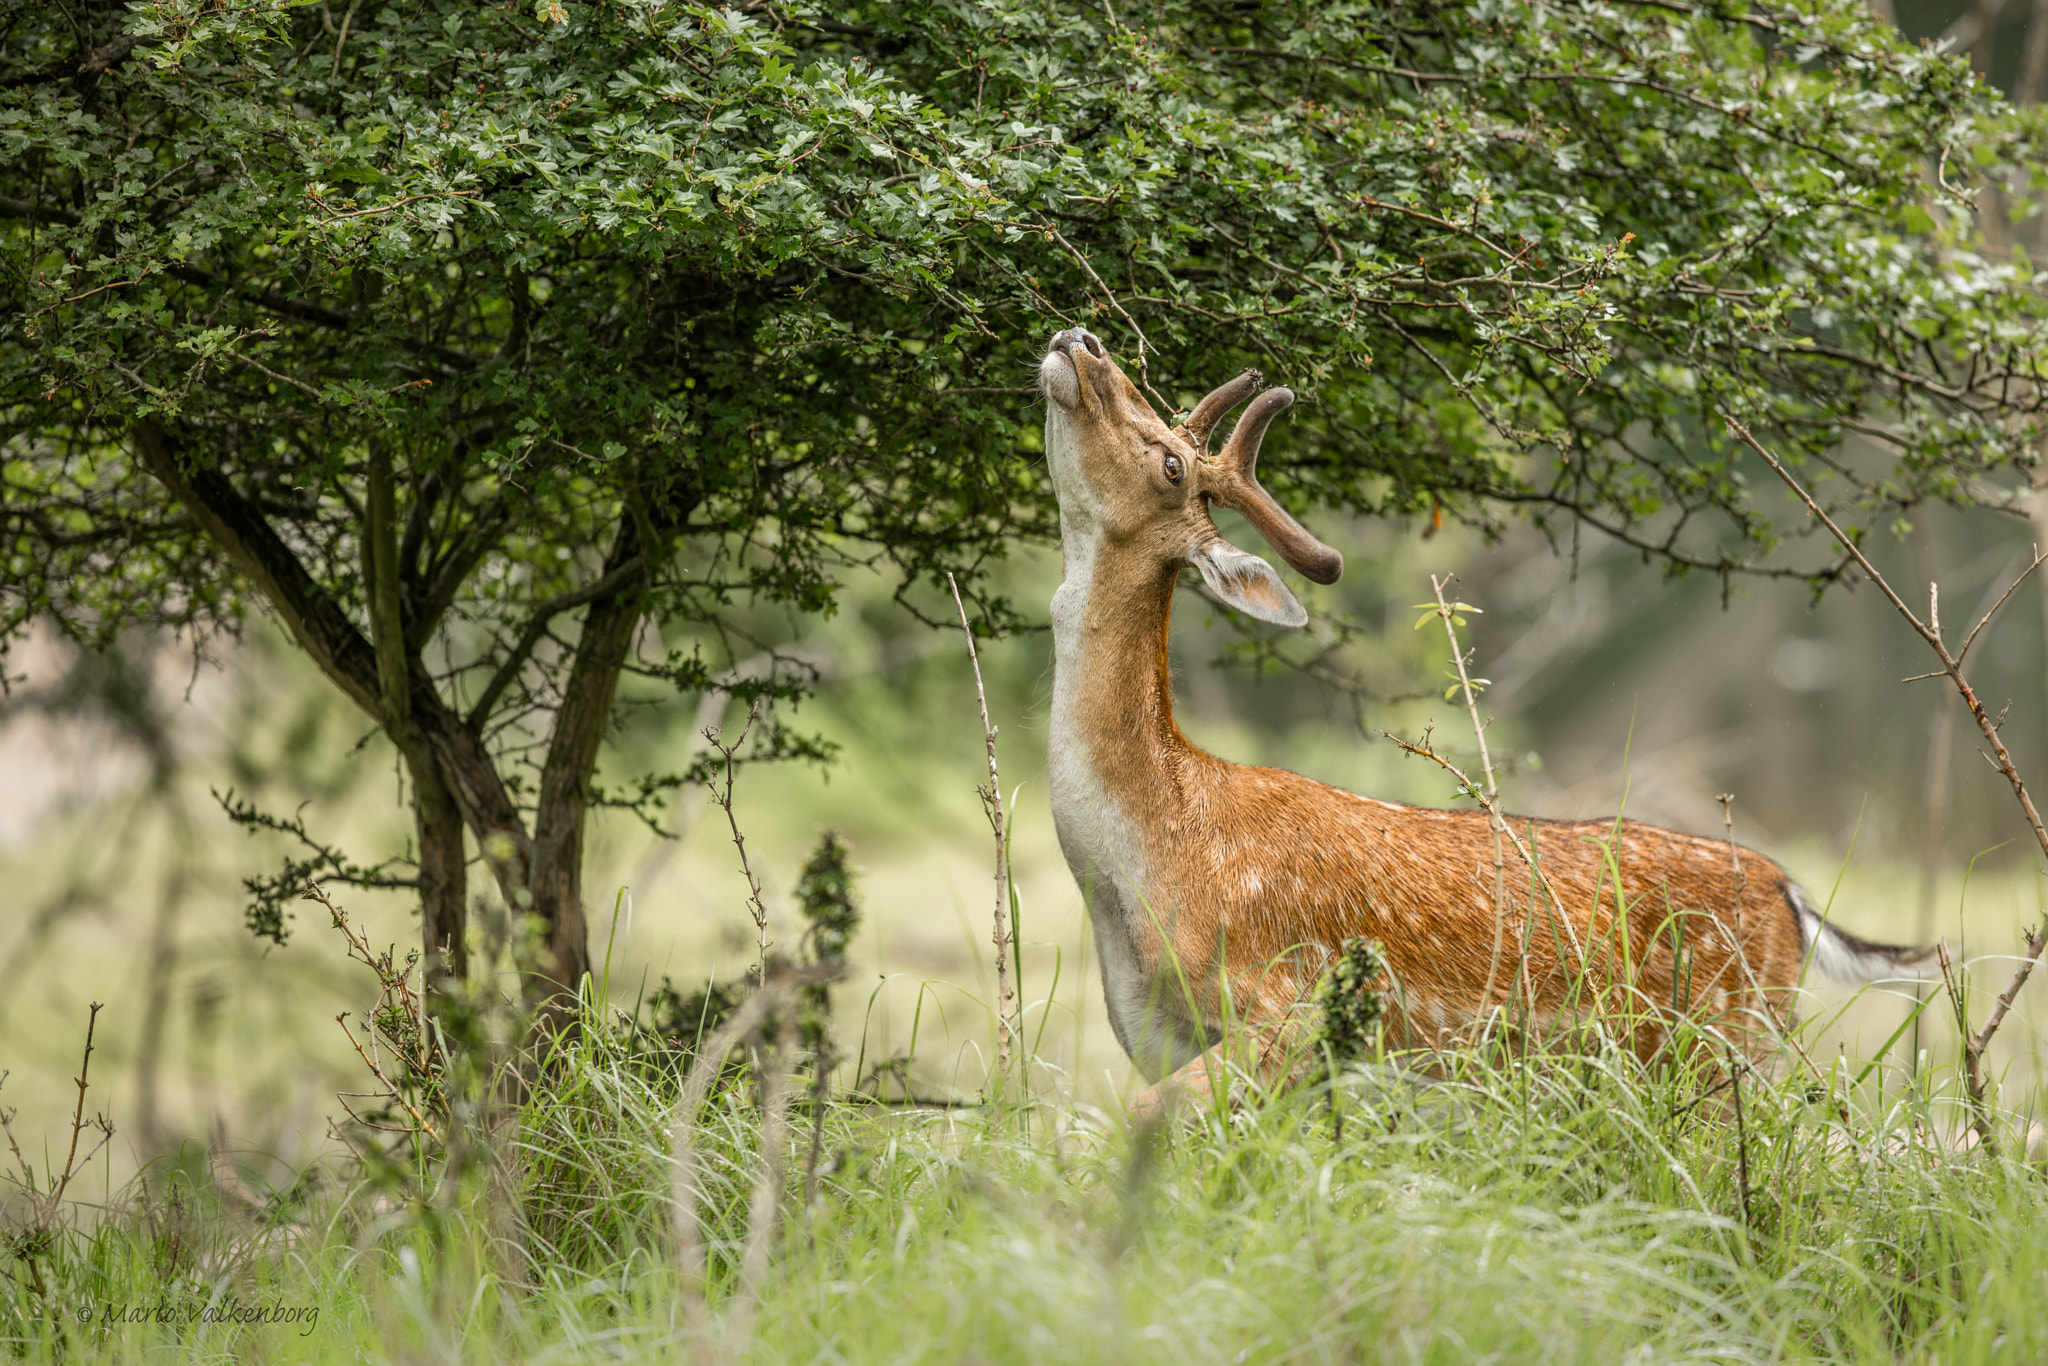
{"x": 1077, "y": 336}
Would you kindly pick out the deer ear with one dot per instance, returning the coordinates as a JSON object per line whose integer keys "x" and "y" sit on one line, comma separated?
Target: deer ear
{"x": 1247, "y": 583}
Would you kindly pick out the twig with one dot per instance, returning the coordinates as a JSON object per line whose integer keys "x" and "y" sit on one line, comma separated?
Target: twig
{"x": 32, "y": 1241}
{"x": 1448, "y": 611}
{"x": 281, "y": 379}
{"x": 400, "y": 1019}
{"x": 756, "y": 907}
{"x": 333, "y": 217}
{"x": 78, "y": 1112}
{"x": 1974, "y": 1045}
{"x": 1992, "y": 611}
{"x": 992, "y": 804}
{"x": 1466, "y": 785}
{"x": 1727, "y": 800}
{"x": 334, "y": 73}
{"x": 391, "y": 1088}
{"x": 1144, "y": 346}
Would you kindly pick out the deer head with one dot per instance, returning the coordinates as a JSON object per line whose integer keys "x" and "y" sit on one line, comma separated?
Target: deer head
{"x": 1127, "y": 480}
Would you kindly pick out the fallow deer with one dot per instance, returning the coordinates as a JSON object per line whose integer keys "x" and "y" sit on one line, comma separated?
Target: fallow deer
{"x": 1218, "y": 892}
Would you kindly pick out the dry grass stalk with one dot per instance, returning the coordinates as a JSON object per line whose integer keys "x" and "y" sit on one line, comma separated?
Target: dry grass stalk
{"x": 1975, "y": 1044}
{"x": 704, "y": 1071}
{"x": 776, "y": 1000}
{"x": 772, "y": 1065}
{"x": 992, "y": 805}
{"x": 1727, "y": 800}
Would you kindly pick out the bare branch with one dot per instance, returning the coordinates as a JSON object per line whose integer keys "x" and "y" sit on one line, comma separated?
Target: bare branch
{"x": 722, "y": 797}
{"x": 2039, "y": 558}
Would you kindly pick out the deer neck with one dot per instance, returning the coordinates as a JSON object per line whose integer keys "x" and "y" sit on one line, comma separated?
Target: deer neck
{"x": 1115, "y": 752}
{"x": 1111, "y": 670}
{"x": 1116, "y": 763}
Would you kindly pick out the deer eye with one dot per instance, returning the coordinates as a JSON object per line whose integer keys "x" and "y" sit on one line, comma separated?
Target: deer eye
{"x": 1174, "y": 470}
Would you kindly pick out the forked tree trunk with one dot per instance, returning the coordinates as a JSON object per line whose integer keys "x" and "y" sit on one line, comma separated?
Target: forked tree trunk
{"x": 456, "y": 786}
{"x": 436, "y": 817}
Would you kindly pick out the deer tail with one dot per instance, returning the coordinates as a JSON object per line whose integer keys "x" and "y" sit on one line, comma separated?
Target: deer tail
{"x": 1843, "y": 957}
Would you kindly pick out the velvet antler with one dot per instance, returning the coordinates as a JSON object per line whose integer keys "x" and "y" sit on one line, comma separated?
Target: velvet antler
{"x": 1232, "y": 477}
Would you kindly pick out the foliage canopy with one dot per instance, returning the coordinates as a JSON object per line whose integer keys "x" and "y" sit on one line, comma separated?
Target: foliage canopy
{"x": 472, "y": 341}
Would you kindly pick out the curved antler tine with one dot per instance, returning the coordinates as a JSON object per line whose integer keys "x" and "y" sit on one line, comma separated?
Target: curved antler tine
{"x": 1202, "y": 421}
{"x": 1234, "y": 483}
{"x": 1241, "y": 452}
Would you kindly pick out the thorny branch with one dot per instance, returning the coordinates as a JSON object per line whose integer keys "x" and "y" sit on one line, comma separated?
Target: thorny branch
{"x": 992, "y": 804}
{"x": 71, "y": 1162}
{"x": 721, "y": 795}
{"x": 34, "y": 1238}
{"x": 400, "y": 1020}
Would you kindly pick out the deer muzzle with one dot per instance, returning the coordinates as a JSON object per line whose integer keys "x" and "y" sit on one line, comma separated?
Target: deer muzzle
{"x": 1058, "y": 377}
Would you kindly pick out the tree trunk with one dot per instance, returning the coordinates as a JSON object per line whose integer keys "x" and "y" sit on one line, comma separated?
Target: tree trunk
{"x": 456, "y": 785}
{"x": 449, "y": 766}
{"x": 444, "y": 888}
{"x": 608, "y": 630}
{"x": 2027, "y": 86}
{"x": 435, "y": 815}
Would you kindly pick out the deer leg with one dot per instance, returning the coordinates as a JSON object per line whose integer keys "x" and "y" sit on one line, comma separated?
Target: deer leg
{"x": 1198, "y": 1081}
{"x": 1263, "y": 1053}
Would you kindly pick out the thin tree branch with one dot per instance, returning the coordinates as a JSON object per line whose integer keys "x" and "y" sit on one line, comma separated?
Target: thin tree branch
{"x": 537, "y": 627}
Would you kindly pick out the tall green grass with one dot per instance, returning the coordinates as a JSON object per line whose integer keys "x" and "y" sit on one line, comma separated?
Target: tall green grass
{"x": 1550, "y": 1207}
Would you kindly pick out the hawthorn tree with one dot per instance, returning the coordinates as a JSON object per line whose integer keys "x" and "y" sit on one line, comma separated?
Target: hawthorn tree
{"x": 469, "y": 341}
